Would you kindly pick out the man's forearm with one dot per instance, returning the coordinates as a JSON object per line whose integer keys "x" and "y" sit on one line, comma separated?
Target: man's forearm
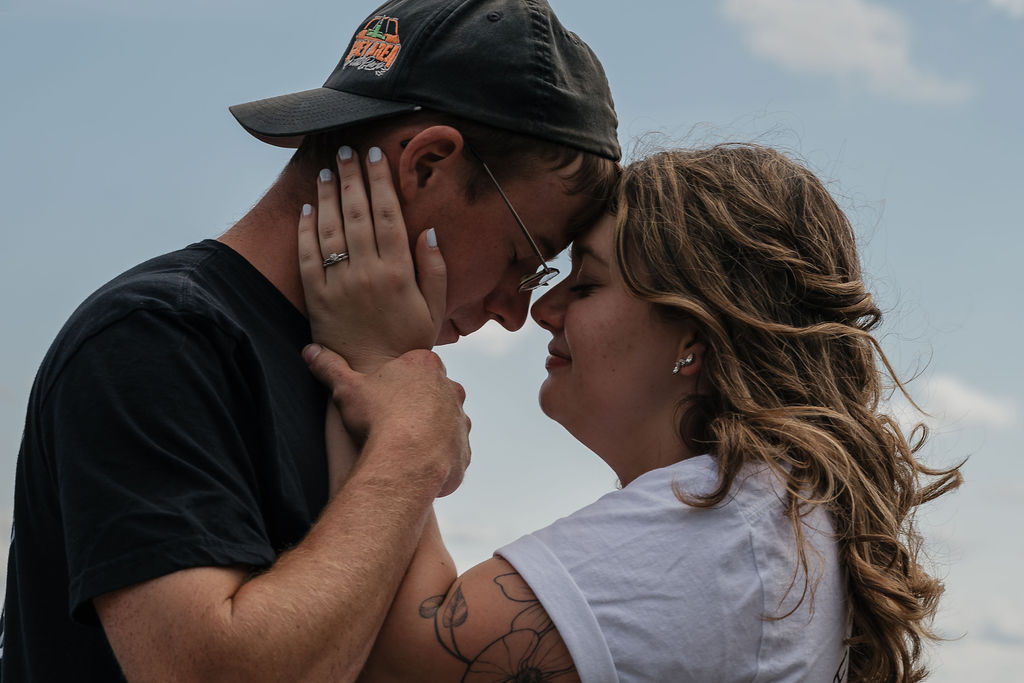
{"x": 313, "y": 615}
{"x": 324, "y": 601}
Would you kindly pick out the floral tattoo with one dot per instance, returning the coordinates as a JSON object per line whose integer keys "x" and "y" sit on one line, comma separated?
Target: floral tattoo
{"x": 528, "y": 653}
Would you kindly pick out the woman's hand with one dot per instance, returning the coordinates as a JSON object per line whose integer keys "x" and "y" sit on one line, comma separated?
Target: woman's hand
{"x": 370, "y": 307}
{"x": 407, "y": 411}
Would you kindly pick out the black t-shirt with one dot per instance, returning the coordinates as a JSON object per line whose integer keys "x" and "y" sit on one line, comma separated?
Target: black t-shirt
{"x": 172, "y": 424}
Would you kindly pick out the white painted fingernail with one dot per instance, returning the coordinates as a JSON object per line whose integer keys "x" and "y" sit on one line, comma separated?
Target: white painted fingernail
{"x": 344, "y": 152}
{"x": 307, "y": 209}
{"x": 432, "y": 239}
{"x": 325, "y": 175}
{"x": 374, "y": 155}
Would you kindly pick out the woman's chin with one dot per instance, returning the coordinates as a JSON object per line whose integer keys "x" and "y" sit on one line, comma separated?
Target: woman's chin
{"x": 554, "y": 406}
{"x": 548, "y": 404}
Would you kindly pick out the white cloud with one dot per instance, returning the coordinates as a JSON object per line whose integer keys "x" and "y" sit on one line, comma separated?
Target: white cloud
{"x": 906, "y": 415}
{"x": 1005, "y": 630}
{"x": 845, "y": 39}
{"x": 953, "y": 400}
{"x": 1015, "y": 8}
{"x": 950, "y": 402}
{"x": 981, "y": 616}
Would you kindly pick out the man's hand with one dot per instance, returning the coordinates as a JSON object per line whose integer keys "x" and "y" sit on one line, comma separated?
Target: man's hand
{"x": 408, "y": 409}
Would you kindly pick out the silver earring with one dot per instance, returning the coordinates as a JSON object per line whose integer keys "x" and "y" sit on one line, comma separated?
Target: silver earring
{"x": 682, "y": 363}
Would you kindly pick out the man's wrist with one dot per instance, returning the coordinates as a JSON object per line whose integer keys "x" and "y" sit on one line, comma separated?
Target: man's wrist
{"x": 395, "y": 458}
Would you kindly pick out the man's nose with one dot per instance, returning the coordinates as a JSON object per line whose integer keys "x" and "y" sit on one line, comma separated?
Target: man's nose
{"x": 508, "y": 308}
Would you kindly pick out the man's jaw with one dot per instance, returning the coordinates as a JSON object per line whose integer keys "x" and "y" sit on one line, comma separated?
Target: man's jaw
{"x": 449, "y": 334}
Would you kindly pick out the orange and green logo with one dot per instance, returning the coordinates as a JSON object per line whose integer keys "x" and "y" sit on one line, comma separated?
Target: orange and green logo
{"x": 375, "y": 47}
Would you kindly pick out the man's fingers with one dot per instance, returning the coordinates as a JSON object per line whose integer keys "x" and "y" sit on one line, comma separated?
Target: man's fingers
{"x": 328, "y": 367}
{"x": 460, "y": 391}
{"x": 431, "y": 276}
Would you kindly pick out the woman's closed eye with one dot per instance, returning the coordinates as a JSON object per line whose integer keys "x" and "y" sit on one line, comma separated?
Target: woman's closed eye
{"x": 583, "y": 289}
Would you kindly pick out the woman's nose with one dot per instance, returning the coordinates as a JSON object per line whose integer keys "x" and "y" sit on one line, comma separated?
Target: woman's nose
{"x": 549, "y": 309}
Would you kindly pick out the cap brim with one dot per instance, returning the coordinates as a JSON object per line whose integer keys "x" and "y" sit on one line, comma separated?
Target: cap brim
{"x": 283, "y": 121}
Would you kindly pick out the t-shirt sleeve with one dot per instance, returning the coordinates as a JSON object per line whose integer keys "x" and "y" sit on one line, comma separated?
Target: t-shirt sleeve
{"x": 640, "y": 585}
{"x": 152, "y": 457}
{"x": 566, "y": 605}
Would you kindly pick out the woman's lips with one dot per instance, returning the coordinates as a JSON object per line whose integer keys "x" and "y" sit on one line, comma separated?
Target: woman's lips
{"x": 556, "y": 359}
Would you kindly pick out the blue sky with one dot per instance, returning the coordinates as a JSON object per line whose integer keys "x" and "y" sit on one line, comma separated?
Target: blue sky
{"x": 116, "y": 144}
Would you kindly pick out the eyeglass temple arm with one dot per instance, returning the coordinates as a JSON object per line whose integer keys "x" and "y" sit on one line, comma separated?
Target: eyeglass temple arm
{"x": 515, "y": 214}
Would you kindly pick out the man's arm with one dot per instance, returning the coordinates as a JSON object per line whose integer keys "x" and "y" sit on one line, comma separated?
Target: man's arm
{"x": 314, "y": 614}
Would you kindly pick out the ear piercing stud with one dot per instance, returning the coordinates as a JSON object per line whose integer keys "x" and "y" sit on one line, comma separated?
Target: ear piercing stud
{"x": 682, "y": 363}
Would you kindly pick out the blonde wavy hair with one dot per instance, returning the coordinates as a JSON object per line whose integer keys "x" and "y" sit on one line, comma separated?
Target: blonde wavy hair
{"x": 751, "y": 246}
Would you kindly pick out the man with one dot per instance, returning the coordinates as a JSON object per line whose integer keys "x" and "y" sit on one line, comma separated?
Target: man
{"x": 172, "y": 517}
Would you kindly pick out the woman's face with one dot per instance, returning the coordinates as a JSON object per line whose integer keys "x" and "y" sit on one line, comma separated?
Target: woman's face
{"x": 610, "y": 381}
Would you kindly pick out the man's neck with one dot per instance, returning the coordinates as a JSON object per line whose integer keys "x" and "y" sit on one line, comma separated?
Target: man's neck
{"x": 266, "y": 236}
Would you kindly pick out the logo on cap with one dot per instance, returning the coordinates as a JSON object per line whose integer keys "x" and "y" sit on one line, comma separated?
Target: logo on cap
{"x": 375, "y": 47}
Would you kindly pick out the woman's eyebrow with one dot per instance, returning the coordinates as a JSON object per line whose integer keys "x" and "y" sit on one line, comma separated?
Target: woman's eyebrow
{"x": 578, "y": 251}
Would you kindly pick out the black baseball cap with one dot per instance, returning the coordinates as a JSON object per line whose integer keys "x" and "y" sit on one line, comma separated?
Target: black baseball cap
{"x": 505, "y": 63}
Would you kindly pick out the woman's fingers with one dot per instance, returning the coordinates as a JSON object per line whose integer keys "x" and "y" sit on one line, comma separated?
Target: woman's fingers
{"x": 329, "y": 226}
{"x": 388, "y": 223}
{"x": 310, "y": 259}
{"x": 355, "y": 207}
{"x": 345, "y": 298}
{"x": 431, "y": 276}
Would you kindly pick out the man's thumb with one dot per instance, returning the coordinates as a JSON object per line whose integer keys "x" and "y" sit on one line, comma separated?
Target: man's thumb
{"x": 328, "y": 367}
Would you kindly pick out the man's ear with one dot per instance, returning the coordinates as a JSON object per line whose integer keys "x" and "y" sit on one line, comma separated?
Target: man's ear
{"x": 433, "y": 154}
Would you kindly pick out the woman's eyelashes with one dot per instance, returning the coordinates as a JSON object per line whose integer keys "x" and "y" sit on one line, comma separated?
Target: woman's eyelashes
{"x": 583, "y": 289}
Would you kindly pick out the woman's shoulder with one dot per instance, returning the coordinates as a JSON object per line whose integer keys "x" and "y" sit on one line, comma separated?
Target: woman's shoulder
{"x": 639, "y": 563}
{"x": 648, "y": 521}
{"x": 755, "y": 493}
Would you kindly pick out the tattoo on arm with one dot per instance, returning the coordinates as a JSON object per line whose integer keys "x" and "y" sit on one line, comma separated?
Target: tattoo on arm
{"x": 523, "y": 655}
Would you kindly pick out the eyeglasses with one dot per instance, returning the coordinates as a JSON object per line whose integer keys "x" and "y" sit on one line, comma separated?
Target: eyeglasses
{"x": 546, "y": 273}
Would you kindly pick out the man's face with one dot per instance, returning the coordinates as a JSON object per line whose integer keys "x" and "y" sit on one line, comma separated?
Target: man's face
{"x": 487, "y": 253}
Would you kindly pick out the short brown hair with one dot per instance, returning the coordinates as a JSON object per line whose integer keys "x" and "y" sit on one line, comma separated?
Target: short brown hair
{"x": 508, "y": 154}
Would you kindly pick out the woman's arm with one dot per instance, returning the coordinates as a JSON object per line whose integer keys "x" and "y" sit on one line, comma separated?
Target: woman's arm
{"x": 486, "y": 625}
{"x": 347, "y": 301}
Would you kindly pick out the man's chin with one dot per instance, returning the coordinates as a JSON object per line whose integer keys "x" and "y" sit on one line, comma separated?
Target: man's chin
{"x": 449, "y": 334}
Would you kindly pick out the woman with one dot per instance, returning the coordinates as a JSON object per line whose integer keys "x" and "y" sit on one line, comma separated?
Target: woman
{"x": 713, "y": 346}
